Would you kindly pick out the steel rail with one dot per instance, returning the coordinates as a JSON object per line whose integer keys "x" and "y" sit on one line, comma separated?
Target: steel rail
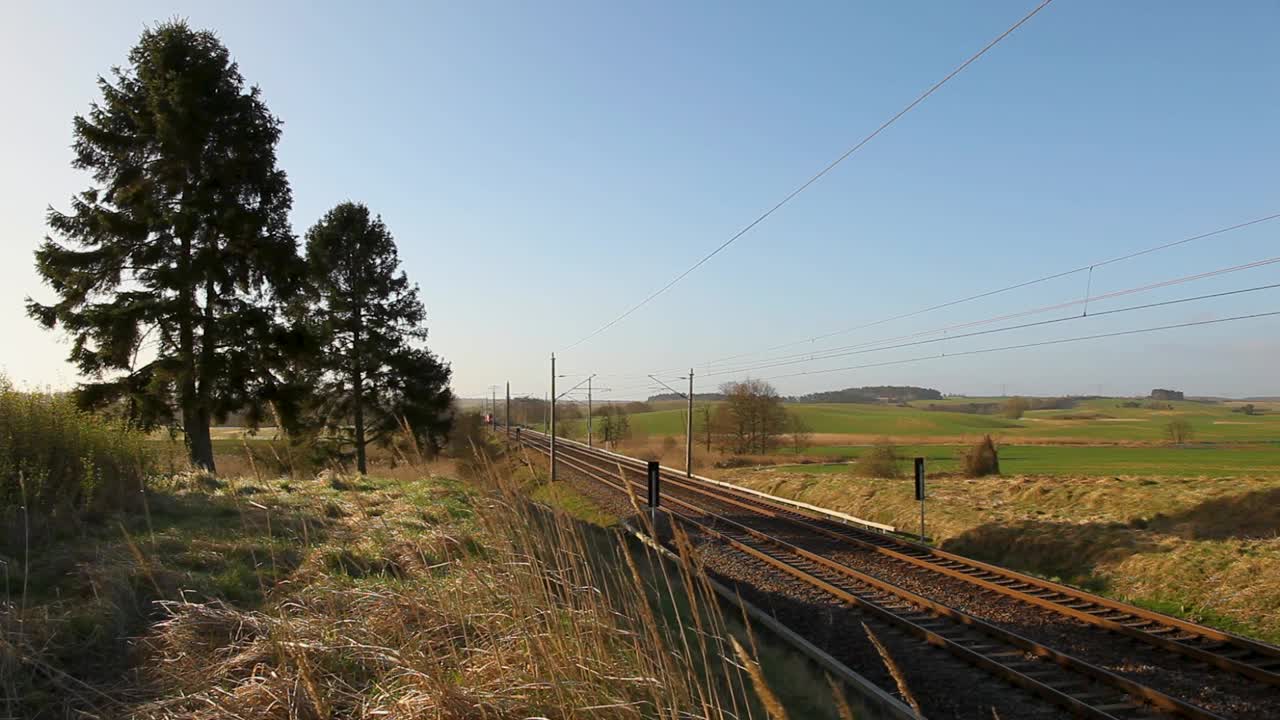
{"x": 1055, "y": 676}
{"x": 1250, "y": 658}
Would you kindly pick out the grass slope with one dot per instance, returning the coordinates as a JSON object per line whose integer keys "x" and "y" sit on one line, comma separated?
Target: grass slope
{"x": 1191, "y": 461}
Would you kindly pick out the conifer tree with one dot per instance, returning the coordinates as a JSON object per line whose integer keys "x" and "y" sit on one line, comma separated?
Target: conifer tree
{"x": 170, "y": 267}
{"x": 373, "y": 371}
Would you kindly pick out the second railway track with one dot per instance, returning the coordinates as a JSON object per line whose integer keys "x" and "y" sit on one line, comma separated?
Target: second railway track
{"x": 765, "y": 529}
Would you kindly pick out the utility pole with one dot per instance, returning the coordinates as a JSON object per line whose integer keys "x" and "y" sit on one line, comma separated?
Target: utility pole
{"x": 507, "y": 411}
{"x": 589, "y": 412}
{"x": 688, "y": 420}
{"x": 688, "y": 432}
{"x": 552, "y": 428}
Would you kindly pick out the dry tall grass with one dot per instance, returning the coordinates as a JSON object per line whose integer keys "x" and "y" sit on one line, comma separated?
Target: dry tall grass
{"x": 512, "y": 612}
{"x": 55, "y": 457}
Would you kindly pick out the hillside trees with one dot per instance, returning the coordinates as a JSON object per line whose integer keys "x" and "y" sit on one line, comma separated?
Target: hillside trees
{"x": 872, "y": 394}
{"x": 170, "y": 269}
{"x": 371, "y": 369}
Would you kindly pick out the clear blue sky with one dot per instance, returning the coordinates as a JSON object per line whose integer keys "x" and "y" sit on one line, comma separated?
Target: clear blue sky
{"x": 546, "y": 165}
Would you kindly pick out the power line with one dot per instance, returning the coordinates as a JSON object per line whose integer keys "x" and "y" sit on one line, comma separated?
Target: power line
{"x": 1041, "y": 343}
{"x": 1007, "y": 288}
{"x": 1040, "y": 323}
{"x": 1023, "y": 326}
{"x": 839, "y": 351}
{"x": 883, "y": 126}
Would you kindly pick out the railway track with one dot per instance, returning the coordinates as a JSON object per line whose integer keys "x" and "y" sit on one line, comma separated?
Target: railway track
{"x": 1084, "y": 689}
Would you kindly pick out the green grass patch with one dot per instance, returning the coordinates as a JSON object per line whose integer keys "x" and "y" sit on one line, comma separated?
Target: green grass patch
{"x": 565, "y": 497}
{"x": 1100, "y": 420}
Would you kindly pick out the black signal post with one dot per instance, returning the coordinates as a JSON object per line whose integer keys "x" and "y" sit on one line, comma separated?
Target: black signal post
{"x": 655, "y": 481}
{"x": 920, "y": 492}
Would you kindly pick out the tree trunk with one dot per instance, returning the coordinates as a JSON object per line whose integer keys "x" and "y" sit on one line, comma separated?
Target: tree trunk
{"x": 200, "y": 443}
{"x": 357, "y": 387}
{"x": 359, "y": 418}
{"x": 195, "y": 424}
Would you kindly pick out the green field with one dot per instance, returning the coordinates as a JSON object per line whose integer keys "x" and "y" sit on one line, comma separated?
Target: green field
{"x": 1099, "y": 421}
{"x": 1095, "y": 437}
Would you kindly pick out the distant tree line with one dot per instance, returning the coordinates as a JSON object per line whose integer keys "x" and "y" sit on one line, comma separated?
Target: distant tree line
{"x": 710, "y": 397}
{"x": 1163, "y": 394}
{"x": 183, "y": 287}
{"x": 871, "y": 394}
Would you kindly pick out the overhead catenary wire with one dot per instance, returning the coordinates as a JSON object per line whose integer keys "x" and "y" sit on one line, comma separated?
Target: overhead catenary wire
{"x": 819, "y": 175}
{"x": 1007, "y": 288}
{"x": 1022, "y": 326}
{"x": 844, "y": 351}
{"x": 1040, "y": 343}
{"x": 838, "y": 351}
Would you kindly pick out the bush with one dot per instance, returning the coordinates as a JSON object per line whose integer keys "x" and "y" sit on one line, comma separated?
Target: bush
{"x": 1015, "y": 407}
{"x": 982, "y": 459}
{"x": 1178, "y": 431}
{"x": 56, "y": 457}
{"x": 734, "y": 462}
{"x": 880, "y": 461}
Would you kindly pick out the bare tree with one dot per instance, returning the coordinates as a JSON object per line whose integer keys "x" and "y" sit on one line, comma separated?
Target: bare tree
{"x": 705, "y": 423}
{"x": 613, "y": 424}
{"x": 752, "y": 417}
{"x": 801, "y": 433}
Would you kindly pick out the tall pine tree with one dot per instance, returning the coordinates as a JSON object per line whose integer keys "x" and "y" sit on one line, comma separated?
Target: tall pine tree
{"x": 373, "y": 371}
{"x": 172, "y": 264}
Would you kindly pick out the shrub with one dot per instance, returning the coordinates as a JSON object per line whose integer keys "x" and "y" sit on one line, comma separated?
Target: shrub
{"x": 56, "y": 457}
{"x": 880, "y": 461}
{"x": 982, "y": 459}
{"x": 1178, "y": 431}
{"x": 1015, "y": 407}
